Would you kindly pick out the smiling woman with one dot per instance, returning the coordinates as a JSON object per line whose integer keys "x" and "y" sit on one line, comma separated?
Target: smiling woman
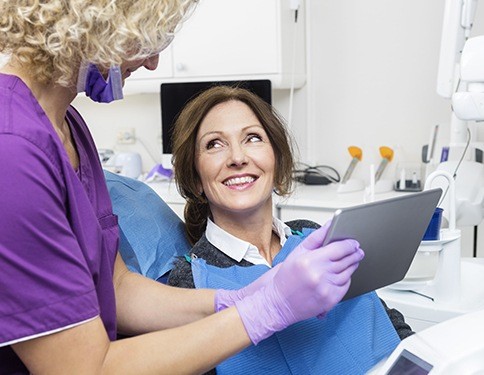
{"x": 235, "y": 162}
{"x": 231, "y": 151}
{"x": 232, "y": 130}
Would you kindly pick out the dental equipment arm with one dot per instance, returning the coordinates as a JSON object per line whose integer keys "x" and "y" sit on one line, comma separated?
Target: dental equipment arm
{"x": 456, "y": 28}
{"x": 468, "y": 105}
{"x": 457, "y": 24}
{"x": 461, "y": 79}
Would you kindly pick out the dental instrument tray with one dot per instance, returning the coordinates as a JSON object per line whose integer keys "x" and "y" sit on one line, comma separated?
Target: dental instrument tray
{"x": 389, "y": 232}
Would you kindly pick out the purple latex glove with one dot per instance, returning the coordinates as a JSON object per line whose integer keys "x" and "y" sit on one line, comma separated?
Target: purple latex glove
{"x": 101, "y": 90}
{"x": 226, "y": 298}
{"x": 310, "y": 282}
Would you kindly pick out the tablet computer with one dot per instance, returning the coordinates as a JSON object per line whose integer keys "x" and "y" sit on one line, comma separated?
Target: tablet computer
{"x": 389, "y": 232}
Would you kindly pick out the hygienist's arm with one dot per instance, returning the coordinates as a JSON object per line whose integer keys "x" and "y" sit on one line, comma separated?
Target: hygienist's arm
{"x": 144, "y": 305}
{"x": 308, "y": 283}
{"x": 86, "y": 349}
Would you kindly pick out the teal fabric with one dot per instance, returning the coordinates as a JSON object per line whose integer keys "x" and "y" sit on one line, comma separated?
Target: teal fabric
{"x": 351, "y": 339}
{"x": 151, "y": 233}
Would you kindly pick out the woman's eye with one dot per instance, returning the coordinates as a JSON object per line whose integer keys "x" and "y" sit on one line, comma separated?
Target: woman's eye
{"x": 254, "y": 138}
{"x": 214, "y": 143}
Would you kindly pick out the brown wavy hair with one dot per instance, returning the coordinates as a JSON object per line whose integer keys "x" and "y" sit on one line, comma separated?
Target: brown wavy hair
{"x": 197, "y": 208}
{"x": 52, "y": 37}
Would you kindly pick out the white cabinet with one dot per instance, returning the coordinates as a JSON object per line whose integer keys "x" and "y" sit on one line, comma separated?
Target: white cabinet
{"x": 232, "y": 40}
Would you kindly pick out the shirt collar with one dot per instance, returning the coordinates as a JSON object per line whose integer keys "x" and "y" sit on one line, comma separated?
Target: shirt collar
{"x": 238, "y": 249}
{"x": 281, "y": 229}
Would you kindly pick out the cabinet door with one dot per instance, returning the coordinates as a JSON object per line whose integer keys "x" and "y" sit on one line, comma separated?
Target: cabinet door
{"x": 232, "y": 40}
{"x": 229, "y": 37}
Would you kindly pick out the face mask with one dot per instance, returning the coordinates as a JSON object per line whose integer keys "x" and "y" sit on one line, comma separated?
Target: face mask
{"x": 96, "y": 87}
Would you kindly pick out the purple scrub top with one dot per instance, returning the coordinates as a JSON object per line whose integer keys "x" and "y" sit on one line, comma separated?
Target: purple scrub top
{"x": 58, "y": 235}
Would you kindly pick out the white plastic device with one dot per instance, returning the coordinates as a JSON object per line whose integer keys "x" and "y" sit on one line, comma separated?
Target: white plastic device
{"x": 468, "y": 105}
{"x": 452, "y": 347}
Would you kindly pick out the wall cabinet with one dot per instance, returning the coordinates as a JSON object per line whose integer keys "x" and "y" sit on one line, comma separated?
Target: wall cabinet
{"x": 232, "y": 40}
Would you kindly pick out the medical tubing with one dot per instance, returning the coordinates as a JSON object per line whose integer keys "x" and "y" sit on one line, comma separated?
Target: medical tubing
{"x": 454, "y": 175}
{"x": 319, "y": 170}
{"x": 147, "y": 150}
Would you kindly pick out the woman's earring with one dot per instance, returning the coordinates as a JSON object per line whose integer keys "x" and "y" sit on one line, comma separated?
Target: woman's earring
{"x": 202, "y": 198}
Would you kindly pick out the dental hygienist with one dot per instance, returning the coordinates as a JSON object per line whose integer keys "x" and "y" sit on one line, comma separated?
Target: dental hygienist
{"x": 65, "y": 292}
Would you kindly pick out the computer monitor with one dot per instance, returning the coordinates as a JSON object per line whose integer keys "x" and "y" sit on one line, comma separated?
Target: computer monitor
{"x": 174, "y": 96}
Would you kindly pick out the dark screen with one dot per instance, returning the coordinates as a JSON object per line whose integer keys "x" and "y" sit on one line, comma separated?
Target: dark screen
{"x": 174, "y": 96}
{"x": 409, "y": 364}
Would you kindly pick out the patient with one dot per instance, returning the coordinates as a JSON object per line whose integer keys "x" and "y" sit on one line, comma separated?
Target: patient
{"x": 231, "y": 153}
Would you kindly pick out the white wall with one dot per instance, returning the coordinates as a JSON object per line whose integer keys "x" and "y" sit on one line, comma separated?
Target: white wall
{"x": 373, "y": 78}
{"x": 372, "y": 67}
{"x": 141, "y": 112}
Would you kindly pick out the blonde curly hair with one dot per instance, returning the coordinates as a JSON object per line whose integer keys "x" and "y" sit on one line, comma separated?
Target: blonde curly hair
{"x": 52, "y": 37}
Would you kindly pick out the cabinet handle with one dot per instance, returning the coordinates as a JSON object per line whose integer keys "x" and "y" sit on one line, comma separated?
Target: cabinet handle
{"x": 180, "y": 67}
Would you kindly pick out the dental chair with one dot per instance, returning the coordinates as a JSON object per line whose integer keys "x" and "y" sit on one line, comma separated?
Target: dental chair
{"x": 151, "y": 234}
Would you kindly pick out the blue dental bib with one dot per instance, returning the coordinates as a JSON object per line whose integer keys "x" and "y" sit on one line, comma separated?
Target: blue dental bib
{"x": 350, "y": 339}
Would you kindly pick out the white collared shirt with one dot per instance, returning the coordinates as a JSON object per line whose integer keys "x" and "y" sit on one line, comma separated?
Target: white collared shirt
{"x": 238, "y": 249}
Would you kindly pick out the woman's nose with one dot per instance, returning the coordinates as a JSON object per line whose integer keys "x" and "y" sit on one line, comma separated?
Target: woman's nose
{"x": 151, "y": 62}
{"x": 238, "y": 157}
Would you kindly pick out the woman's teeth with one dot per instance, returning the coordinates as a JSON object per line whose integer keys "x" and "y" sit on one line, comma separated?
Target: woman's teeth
{"x": 239, "y": 181}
